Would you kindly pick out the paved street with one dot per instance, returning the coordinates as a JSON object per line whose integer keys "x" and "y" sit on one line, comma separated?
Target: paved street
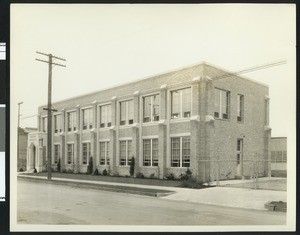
{"x": 42, "y": 203}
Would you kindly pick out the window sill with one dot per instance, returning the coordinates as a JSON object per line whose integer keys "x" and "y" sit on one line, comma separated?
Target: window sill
{"x": 150, "y": 123}
{"x": 155, "y": 167}
{"x": 180, "y": 120}
{"x": 221, "y": 119}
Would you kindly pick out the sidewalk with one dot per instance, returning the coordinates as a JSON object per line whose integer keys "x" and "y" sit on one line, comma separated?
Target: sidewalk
{"x": 222, "y": 196}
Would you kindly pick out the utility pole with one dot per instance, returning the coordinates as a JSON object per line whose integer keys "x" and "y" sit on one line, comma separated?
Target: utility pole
{"x": 49, "y": 124}
{"x": 18, "y": 148}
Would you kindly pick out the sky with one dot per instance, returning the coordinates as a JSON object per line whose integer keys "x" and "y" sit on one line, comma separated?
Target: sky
{"x": 107, "y": 45}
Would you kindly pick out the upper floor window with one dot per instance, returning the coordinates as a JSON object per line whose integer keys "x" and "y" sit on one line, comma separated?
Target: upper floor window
{"x": 44, "y": 124}
{"x": 125, "y": 152}
{"x": 105, "y": 116}
{"x": 104, "y": 153}
{"x": 221, "y": 104}
{"x": 181, "y": 103}
{"x": 72, "y": 121}
{"x": 240, "y": 108}
{"x": 87, "y": 118}
{"x": 57, "y": 123}
{"x": 151, "y": 108}
{"x": 150, "y": 152}
{"x": 180, "y": 151}
{"x": 126, "y": 112}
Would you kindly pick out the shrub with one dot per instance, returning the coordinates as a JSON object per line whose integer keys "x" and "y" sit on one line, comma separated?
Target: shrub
{"x": 127, "y": 176}
{"x": 21, "y": 169}
{"x": 64, "y": 171}
{"x": 105, "y": 172}
{"x": 187, "y": 175}
{"x": 58, "y": 165}
{"x": 70, "y": 171}
{"x": 170, "y": 176}
{"x": 152, "y": 176}
{"x": 34, "y": 171}
{"x": 191, "y": 183}
{"x": 96, "y": 172}
{"x": 131, "y": 170}
{"x": 140, "y": 175}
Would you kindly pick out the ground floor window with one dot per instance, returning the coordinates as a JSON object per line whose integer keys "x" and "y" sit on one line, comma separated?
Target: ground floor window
{"x": 86, "y": 152}
{"x": 104, "y": 153}
{"x": 70, "y": 153}
{"x": 180, "y": 151}
{"x": 150, "y": 152}
{"x": 125, "y": 152}
{"x": 278, "y": 156}
{"x": 56, "y": 153}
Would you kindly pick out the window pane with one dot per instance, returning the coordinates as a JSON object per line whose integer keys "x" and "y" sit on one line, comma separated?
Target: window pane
{"x": 154, "y": 152}
{"x": 103, "y": 114}
{"x": 175, "y": 104}
{"x": 224, "y": 102}
{"x": 122, "y": 153}
{"x": 130, "y": 111}
{"x": 175, "y": 152}
{"x": 122, "y": 113}
{"x": 107, "y": 154}
{"x": 185, "y": 151}
{"x": 70, "y": 153}
{"x": 217, "y": 103}
{"x": 186, "y": 102}
{"x": 147, "y": 109}
{"x": 147, "y": 152}
{"x": 108, "y": 117}
{"x": 102, "y": 153}
{"x": 129, "y": 151}
{"x": 155, "y": 105}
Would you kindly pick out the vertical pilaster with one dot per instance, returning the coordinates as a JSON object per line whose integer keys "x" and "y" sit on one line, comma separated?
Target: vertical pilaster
{"x": 135, "y": 147}
{"x": 112, "y": 150}
{"x": 162, "y": 145}
{"x": 62, "y": 151}
{"x": 136, "y": 102}
{"x": 163, "y": 102}
{"x": 76, "y": 152}
{"x": 93, "y": 148}
{"x": 195, "y": 145}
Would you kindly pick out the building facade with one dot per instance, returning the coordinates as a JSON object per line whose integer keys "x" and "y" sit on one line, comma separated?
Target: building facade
{"x": 189, "y": 118}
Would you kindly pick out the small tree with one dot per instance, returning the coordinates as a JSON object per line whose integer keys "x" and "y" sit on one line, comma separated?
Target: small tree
{"x": 132, "y": 163}
{"x": 90, "y": 166}
{"x": 58, "y": 165}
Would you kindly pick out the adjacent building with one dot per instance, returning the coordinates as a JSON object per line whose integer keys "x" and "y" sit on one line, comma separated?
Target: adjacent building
{"x": 278, "y": 149}
{"x": 198, "y": 117}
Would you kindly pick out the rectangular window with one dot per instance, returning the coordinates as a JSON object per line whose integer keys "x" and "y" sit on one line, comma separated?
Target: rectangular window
{"x": 104, "y": 153}
{"x": 57, "y": 124}
{"x": 180, "y": 152}
{"x": 150, "y": 152}
{"x": 70, "y": 153}
{"x": 240, "y": 108}
{"x": 239, "y": 147}
{"x": 221, "y": 104}
{"x": 181, "y": 103}
{"x": 86, "y": 152}
{"x": 44, "y": 124}
{"x": 105, "y": 116}
{"x": 273, "y": 158}
{"x": 126, "y": 112}
{"x": 125, "y": 152}
{"x": 87, "y": 118}
{"x": 72, "y": 121}
{"x": 56, "y": 153}
{"x": 151, "y": 108}
{"x": 284, "y": 157}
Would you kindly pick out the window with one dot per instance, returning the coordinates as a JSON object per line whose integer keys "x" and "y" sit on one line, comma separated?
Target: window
{"x": 57, "y": 124}
{"x": 87, "y": 117}
{"x": 126, "y": 112}
{"x": 44, "y": 124}
{"x": 221, "y": 104}
{"x": 56, "y": 153}
{"x": 181, "y": 103}
{"x": 105, "y": 116}
{"x": 151, "y": 108}
{"x": 150, "y": 152}
{"x": 125, "y": 152}
{"x": 239, "y": 147}
{"x": 104, "y": 153}
{"x": 86, "y": 152}
{"x": 180, "y": 152}
{"x": 70, "y": 153}
{"x": 240, "y": 107}
{"x": 278, "y": 157}
{"x": 72, "y": 121}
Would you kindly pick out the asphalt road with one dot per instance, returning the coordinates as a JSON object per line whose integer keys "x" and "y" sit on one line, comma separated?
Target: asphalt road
{"x": 42, "y": 203}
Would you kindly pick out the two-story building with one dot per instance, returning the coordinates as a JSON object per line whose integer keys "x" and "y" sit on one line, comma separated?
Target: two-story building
{"x": 188, "y": 118}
